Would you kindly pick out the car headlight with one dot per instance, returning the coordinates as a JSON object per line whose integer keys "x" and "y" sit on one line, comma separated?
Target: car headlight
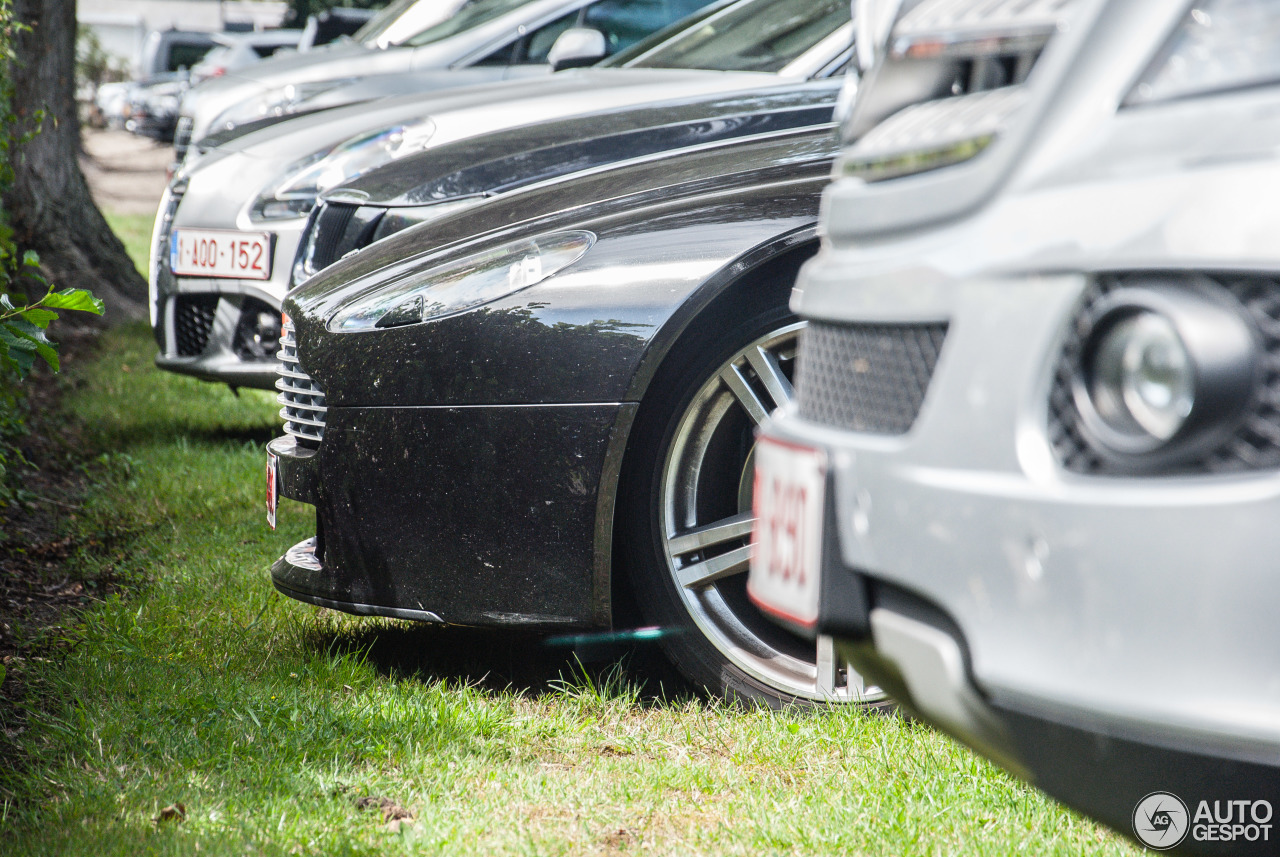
{"x": 463, "y": 284}
{"x": 1163, "y": 367}
{"x": 295, "y": 194}
{"x": 1220, "y": 45}
{"x": 275, "y": 102}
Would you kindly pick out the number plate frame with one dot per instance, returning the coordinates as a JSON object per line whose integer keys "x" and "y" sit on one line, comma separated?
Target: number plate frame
{"x": 221, "y": 253}
{"x": 789, "y": 499}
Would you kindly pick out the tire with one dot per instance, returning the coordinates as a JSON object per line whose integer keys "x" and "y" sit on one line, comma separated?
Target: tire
{"x": 684, "y": 516}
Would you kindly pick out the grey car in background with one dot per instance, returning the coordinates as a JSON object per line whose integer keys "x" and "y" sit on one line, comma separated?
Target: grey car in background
{"x": 491, "y": 39}
{"x": 1031, "y": 477}
{"x": 257, "y": 189}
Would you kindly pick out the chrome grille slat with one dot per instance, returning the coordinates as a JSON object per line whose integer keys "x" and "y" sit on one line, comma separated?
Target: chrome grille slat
{"x": 304, "y": 407}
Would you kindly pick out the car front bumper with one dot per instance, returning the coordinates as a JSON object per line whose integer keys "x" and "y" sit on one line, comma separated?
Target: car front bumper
{"x": 1105, "y": 636}
{"x": 478, "y": 515}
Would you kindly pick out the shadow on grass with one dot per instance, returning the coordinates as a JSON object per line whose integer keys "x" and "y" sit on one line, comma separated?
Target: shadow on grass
{"x": 503, "y": 660}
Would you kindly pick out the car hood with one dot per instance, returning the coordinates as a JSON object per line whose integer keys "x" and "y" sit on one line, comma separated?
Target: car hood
{"x": 670, "y": 185}
{"x": 515, "y": 157}
{"x": 470, "y": 111}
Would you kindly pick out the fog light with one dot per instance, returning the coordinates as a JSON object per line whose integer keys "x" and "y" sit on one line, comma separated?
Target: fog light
{"x": 1164, "y": 370}
{"x": 1143, "y": 378}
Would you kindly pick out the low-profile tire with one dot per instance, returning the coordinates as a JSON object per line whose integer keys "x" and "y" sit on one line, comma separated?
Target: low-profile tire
{"x": 684, "y": 518}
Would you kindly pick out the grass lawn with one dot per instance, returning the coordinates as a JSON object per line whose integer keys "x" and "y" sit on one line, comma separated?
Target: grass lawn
{"x": 287, "y": 729}
{"x": 135, "y": 231}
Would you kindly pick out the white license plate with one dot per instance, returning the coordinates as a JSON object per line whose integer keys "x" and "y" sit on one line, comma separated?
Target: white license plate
{"x": 273, "y": 487}
{"x": 220, "y": 253}
{"x": 786, "y": 544}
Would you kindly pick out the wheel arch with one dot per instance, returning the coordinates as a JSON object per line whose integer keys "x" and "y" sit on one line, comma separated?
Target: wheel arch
{"x": 761, "y": 272}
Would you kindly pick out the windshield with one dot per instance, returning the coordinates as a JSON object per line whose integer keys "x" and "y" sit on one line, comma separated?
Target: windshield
{"x": 468, "y": 17}
{"x": 756, "y": 35}
{"x": 379, "y": 23}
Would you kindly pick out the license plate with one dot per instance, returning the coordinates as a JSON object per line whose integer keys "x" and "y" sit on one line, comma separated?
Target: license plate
{"x": 220, "y": 253}
{"x": 786, "y": 544}
{"x": 273, "y": 487}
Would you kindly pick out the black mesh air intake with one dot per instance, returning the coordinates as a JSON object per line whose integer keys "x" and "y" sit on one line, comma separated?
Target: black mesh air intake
{"x": 192, "y": 321}
{"x": 866, "y": 377}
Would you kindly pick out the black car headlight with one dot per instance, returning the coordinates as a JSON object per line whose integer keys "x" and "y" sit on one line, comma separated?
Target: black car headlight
{"x": 1163, "y": 368}
{"x": 471, "y": 281}
{"x": 1220, "y": 45}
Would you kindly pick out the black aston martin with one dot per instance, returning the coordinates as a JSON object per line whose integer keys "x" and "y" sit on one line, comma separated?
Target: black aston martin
{"x": 518, "y": 412}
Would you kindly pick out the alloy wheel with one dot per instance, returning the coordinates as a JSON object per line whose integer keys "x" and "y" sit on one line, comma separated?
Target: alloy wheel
{"x": 705, "y": 523}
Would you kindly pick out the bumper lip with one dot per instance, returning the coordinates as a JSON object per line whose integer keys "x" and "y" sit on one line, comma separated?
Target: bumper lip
{"x": 288, "y": 575}
{"x": 223, "y": 367}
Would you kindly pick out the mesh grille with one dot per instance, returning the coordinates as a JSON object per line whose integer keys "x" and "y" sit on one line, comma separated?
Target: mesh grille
{"x": 1255, "y": 445}
{"x": 866, "y": 377}
{"x": 257, "y": 334}
{"x": 302, "y": 399}
{"x": 192, "y": 321}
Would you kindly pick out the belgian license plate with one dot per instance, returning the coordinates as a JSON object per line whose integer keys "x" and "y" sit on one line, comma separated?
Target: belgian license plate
{"x": 273, "y": 487}
{"x": 786, "y": 544}
{"x": 220, "y": 253}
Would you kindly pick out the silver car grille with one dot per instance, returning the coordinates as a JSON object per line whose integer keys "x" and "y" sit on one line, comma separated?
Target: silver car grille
{"x": 302, "y": 399}
{"x": 866, "y": 377}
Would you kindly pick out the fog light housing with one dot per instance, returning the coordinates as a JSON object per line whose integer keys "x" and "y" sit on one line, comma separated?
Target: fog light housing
{"x": 1164, "y": 370}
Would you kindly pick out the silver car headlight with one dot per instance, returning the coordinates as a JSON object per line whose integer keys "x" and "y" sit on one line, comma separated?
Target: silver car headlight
{"x": 463, "y": 284}
{"x": 281, "y": 101}
{"x": 941, "y": 79}
{"x": 295, "y": 194}
{"x": 1220, "y": 45}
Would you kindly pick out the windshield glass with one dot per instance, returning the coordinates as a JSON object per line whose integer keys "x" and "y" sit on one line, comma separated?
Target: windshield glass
{"x": 763, "y": 35}
{"x": 468, "y": 17}
{"x": 379, "y": 23}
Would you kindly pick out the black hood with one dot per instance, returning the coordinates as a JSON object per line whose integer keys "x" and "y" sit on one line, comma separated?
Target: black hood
{"x": 503, "y": 161}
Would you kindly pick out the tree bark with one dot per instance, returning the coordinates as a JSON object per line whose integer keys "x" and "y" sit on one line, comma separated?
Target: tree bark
{"x": 49, "y": 203}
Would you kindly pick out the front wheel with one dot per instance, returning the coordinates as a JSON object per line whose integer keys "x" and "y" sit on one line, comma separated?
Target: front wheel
{"x": 686, "y": 519}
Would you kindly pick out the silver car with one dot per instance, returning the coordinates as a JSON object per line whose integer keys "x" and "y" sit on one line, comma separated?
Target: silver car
{"x": 1031, "y": 475}
{"x": 492, "y": 39}
{"x": 257, "y": 190}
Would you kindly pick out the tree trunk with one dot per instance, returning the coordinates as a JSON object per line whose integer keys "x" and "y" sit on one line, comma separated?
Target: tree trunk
{"x": 49, "y": 203}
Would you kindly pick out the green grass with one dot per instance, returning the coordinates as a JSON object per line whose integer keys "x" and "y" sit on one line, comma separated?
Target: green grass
{"x": 135, "y": 231}
{"x": 197, "y": 684}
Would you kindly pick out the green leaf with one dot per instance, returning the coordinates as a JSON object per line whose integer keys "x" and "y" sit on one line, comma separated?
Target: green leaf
{"x": 2, "y": 672}
{"x": 26, "y": 331}
{"x": 39, "y": 317}
{"x": 16, "y": 354}
{"x": 31, "y": 259}
{"x": 77, "y": 299}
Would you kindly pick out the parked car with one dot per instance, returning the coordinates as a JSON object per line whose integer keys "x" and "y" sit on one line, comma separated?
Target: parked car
{"x": 234, "y": 51}
{"x": 260, "y": 187}
{"x": 473, "y": 403}
{"x": 151, "y": 107}
{"x": 1030, "y": 477}
{"x": 502, "y": 39}
{"x": 333, "y": 24}
{"x": 172, "y": 50}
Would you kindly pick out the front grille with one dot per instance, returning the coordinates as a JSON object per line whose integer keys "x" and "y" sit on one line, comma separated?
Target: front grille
{"x": 302, "y": 399}
{"x": 182, "y": 138}
{"x": 866, "y": 377}
{"x": 192, "y": 321}
{"x": 1255, "y": 445}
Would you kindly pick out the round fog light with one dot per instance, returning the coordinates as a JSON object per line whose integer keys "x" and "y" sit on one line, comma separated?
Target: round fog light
{"x": 1144, "y": 375}
{"x": 1164, "y": 370}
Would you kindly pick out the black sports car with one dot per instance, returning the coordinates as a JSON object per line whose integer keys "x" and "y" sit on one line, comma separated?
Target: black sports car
{"x": 517, "y": 413}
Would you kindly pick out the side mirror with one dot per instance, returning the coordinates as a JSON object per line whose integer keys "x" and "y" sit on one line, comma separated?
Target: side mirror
{"x": 576, "y": 47}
